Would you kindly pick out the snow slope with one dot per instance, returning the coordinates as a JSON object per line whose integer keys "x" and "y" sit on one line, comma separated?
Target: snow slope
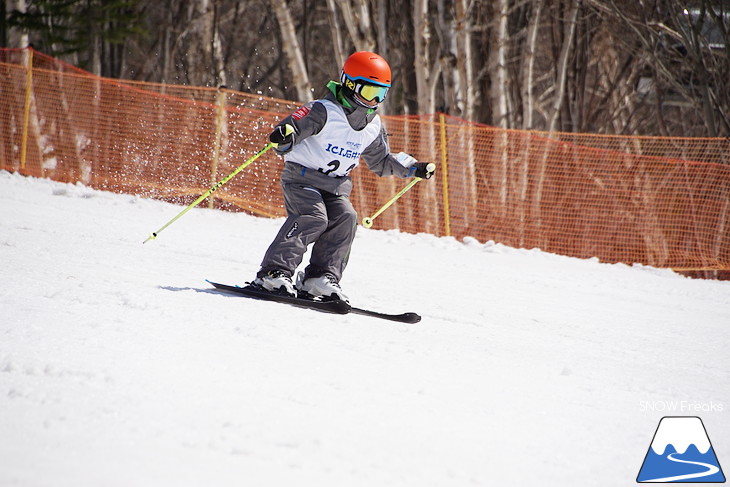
{"x": 120, "y": 366}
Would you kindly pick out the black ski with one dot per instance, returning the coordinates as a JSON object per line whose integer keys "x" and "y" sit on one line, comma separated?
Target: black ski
{"x": 337, "y": 307}
{"x": 401, "y": 318}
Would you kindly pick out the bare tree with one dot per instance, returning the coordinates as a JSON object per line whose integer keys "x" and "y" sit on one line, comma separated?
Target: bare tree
{"x": 293, "y": 52}
{"x": 337, "y": 41}
{"x": 425, "y": 70}
{"x": 219, "y": 62}
{"x": 562, "y": 66}
{"x": 465, "y": 60}
{"x": 499, "y": 90}
{"x": 684, "y": 51}
{"x": 528, "y": 64}
{"x": 197, "y": 56}
{"x": 356, "y": 16}
{"x": 604, "y": 66}
{"x": 17, "y": 36}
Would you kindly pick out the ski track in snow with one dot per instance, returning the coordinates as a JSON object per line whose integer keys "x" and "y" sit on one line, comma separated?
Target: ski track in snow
{"x": 119, "y": 365}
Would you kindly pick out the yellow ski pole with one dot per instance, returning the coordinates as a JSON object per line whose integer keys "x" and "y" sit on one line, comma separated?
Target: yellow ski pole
{"x": 153, "y": 235}
{"x": 367, "y": 222}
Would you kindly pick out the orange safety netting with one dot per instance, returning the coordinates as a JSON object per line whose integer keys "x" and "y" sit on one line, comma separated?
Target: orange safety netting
{"x": 658, "y": 201}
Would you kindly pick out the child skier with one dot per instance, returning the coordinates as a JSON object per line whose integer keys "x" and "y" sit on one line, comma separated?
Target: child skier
{"x": 322, "y": 142}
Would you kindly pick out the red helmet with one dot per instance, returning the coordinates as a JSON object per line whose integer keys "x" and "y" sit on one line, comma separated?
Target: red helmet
{"x": 367, "y": 66}
{"x": 366, "y": 74}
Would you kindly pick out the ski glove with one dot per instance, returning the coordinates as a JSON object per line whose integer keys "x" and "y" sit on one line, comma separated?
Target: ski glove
{"x": 282, "y": 134}
{"x": 424, "y": 170}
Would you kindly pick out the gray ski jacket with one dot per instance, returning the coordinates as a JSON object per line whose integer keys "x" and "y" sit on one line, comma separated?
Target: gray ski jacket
{"x": 308, "y": 122}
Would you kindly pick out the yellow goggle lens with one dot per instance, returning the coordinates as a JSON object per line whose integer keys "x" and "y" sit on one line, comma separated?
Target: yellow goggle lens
{"x": 371, "y": 92}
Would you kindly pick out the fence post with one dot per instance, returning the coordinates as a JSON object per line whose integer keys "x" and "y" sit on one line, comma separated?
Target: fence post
{"x": 444, "y": 176}
{"x": 26, "y": 115}
{"x": 217, "y": 144}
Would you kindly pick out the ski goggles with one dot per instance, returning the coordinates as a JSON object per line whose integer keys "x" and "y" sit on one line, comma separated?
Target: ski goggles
{"x": 367, "y": 91}
{"x": 371, "y": 92}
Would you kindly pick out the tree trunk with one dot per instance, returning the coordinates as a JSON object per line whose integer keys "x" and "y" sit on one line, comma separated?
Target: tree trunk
{"x": 562, "y": 67}
{"x": 464, "y": 61}
{"x": 167, "y": 45}
{"x": 359, "y": 26}
{"x": 498, "y": 65}
{"x": 426, "y": 79}
{"x": 426, "y": 73}
{"x": 382, "y": 9}
{"x": 448, "y": 59}
{"x": 17, "y": 37}
{"x": 528, "y": 65}
{"x": 95, "y": 26}
{"x": 219, "y": 62}
{"x": 197, "y": 39}
{"x": 336, "y": 33}
{"x": 293, "y": 50}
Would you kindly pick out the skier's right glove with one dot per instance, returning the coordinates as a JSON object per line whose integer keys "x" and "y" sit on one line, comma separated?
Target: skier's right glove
{"x": 282, "y": 134}
{"x": 424, "y": 170}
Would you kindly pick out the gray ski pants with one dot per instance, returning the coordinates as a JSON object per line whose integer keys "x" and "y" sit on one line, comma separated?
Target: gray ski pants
{"x": 314, "y": 217}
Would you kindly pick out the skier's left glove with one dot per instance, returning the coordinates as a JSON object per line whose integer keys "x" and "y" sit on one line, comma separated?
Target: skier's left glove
{"x": 424, "y": 170}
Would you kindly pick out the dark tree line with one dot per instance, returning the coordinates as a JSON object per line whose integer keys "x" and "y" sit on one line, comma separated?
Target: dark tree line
{"x": 657, "y": 67}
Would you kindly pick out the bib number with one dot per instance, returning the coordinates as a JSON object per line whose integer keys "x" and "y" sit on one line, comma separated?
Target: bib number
{"x": 334, "y": 166}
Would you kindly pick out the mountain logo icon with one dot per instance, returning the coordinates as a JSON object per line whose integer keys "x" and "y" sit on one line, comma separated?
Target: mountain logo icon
{"x": 681, "y": 452}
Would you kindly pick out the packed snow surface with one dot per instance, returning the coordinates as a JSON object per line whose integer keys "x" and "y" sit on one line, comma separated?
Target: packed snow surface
{"x": 121, "y": 366}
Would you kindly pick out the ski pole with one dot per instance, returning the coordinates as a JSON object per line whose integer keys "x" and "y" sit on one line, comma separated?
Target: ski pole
{"x": 289, "y": 130}
{"x": 367, "y": 222}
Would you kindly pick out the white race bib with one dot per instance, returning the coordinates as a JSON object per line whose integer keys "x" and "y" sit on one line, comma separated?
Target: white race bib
{"x": 336, "y": 149}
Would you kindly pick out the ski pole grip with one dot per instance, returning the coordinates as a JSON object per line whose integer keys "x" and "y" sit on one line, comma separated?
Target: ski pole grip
{"x": 288, "y": 130}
